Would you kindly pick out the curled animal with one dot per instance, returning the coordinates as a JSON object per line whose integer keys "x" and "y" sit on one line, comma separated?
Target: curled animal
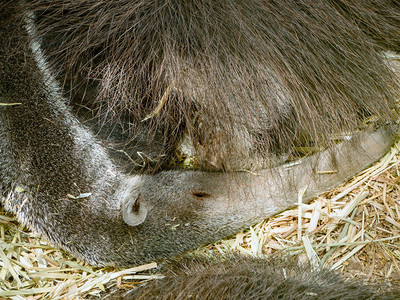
{"x": 98, "y": 95}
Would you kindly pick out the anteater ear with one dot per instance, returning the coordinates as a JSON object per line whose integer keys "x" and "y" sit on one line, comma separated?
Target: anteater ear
{"x": 134, "y": 212}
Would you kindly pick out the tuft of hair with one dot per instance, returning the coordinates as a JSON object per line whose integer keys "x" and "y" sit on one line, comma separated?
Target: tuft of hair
{"x": 241, "y": 277}
{"x": 245, "y": 80}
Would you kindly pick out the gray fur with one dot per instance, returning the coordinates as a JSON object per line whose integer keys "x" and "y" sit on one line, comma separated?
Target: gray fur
{"x": 58, "y": 177}
{"x": 248, "y": 278}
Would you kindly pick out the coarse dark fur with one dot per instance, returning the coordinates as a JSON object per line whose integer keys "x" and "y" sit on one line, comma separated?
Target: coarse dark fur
{"x": 239, "y": 277}
{"x": 244, "y": 80}
{"x": 298, "y": 70}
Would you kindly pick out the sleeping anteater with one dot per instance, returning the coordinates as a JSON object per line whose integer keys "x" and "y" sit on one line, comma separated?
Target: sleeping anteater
{"x": 97, "y": 96}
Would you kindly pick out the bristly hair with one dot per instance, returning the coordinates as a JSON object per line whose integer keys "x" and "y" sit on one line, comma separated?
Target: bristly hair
{"x": 253, "y": 278}
{"x": 244, "y": 79}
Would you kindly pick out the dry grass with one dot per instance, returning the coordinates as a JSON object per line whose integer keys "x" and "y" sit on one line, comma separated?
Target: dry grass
{"x": 31, "y": 269}
{"x": 354, "y": 228}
